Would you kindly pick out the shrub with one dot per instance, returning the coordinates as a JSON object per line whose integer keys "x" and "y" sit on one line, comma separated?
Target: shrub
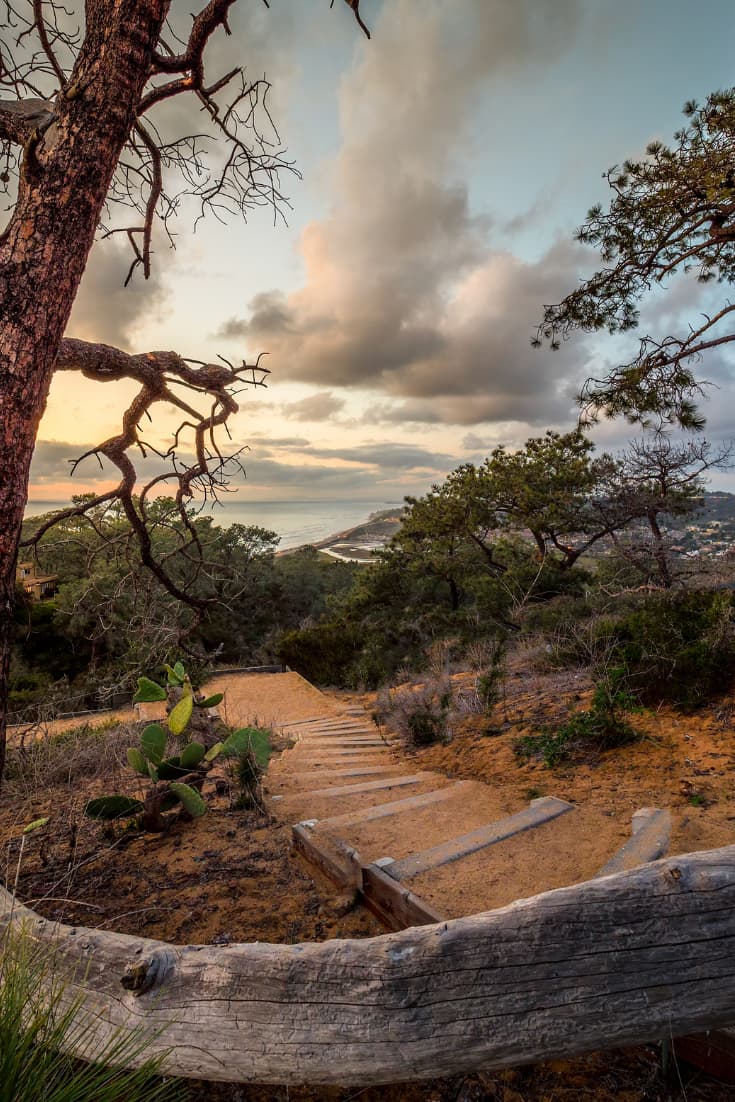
{"x": 43, "y": 759}
{"x": 602, "y": 726}
{"x": 247, "y": 769}
{"x": 679, "y": 648}
{"x": 322, "y": 652}
{"x": 418, "y": 713}
{"x": 490, "y": 675}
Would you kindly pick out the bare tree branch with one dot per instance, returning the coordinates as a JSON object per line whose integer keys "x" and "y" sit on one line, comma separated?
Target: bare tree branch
{"x": 206, "y": 475}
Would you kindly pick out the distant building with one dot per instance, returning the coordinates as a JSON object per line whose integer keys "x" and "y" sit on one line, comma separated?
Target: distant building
{"x": 39, "y": 586}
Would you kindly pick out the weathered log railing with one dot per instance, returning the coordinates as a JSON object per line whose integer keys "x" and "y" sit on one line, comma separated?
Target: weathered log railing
{"x": 634, "y": 957}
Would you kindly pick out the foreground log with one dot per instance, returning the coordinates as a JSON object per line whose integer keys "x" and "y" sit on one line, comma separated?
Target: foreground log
{"x": 634, "y": 957}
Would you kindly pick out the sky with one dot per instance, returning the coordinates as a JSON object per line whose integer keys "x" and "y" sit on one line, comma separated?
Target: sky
{"x": 445, "y": 165}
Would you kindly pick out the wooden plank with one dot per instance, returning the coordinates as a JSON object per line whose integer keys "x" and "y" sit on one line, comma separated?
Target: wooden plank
{"x": 360, "y": 758}
{"x": 366, "y": 786}
{"x": 352, "y": 753}
{"x": 395, "y": 906}
{"x": 349, "y": 742}
{"x": 330, "y": 726}
{"x": 397, "y": 807}
{"x": 328, "y": 771}
{"x": 538, "y": 812}
{"x": 342, "y": 723}
{"x": 289, "y": 723}
{"x": 339, "y": 862}
{"x": 650, "y": 840}
{"x": 335, "y": 735}
{"x": 713, "y": 1052}
{"x": 622, "y": 960}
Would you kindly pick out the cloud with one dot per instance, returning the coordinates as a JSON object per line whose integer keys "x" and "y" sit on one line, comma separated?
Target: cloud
{"x": 403, "y": 292}
{"x": 282, "y": 442}
{"x": 107, "y": 311}
{"x": 316, "y": 407}
{"x": 52, "y": 460}
{"x": 306, "y": 471}
{"x": 474, "y": 443}
{"x": 389, "y": 457}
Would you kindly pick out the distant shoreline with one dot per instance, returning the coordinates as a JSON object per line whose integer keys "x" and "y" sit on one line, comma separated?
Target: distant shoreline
{"x": 382, "y": 517}
{"x": 373, "y": 526}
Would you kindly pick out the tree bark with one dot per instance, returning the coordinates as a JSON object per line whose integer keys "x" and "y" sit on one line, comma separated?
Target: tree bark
{"x": 66, "y": 173}
{"x": 635, "y": 957}
{"x": 659, "y": 551}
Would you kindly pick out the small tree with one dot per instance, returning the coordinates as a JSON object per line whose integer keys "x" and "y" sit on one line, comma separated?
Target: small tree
{"x": 662, "y": 480}
{"x": 553, "y": 487}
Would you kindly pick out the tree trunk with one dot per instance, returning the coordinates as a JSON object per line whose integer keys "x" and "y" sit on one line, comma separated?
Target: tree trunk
{"x": 624, "y": 959}
{"x": 65, "y": 177}
{"x": 659, "y": 551}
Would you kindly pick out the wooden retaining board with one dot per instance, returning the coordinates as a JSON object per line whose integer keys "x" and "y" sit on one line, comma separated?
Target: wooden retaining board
{"x": 367, "y": 786}
{"x": 352, "y": 753}
{"x": 347, "y": 743}
{"x": 339, "y": 863}
{"x": 332, "y": 728}
{"x": 380, "y": 811}
{"x": 397, "y": 908}
{"x": 335, "y": 736}
{"x": 328, "y": 771}
{"x": 538, "y": 812}
{"x": 650, "y": 841}
{"x": 309, "y": 761}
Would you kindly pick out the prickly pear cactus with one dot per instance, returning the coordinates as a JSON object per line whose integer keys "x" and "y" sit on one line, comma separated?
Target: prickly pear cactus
{"x": 175, "y": 778}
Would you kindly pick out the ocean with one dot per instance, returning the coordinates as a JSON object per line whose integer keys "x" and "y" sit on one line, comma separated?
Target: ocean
{"x": 296, "y": 522}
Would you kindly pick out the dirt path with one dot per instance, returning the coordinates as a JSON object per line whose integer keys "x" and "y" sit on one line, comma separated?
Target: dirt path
{"x": 361, "y": 791}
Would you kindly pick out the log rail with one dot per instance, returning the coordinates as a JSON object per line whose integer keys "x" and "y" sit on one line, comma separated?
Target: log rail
{"x": 637, "y": 956}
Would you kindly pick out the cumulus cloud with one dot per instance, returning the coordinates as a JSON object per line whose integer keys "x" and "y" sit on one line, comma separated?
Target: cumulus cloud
{"x": 403, "y": 292}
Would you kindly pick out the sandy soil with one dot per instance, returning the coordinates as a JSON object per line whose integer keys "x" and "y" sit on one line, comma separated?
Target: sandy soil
{"x": 684, "y": 763}
{"x": 268, "y": 699}
{"x": 229, "y": 876}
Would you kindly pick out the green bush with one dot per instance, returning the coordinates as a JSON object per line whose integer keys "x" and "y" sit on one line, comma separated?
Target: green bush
{"x": 602, "y": 726}
{"x": 322, "y": 652}
{"x": 678, "y": 649}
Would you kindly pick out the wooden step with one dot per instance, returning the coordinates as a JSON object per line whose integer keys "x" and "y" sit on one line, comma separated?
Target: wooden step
{"x": 327, "y": 772}
{"x": 323, "y": 743}
{"x": 337, "y": 756}
{"x": 380, "y": 811}
{"x": 367, "y": 786}
{"x": 539, "y": 811}
{"x": 651, "y": 836}
{"x": 336, "y": 734}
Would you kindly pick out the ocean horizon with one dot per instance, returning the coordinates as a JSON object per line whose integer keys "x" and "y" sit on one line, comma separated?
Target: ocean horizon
{"x": 295, "y": 522}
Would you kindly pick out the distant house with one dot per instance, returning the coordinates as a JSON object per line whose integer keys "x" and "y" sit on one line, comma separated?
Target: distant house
{"x": 39, "y": 586}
